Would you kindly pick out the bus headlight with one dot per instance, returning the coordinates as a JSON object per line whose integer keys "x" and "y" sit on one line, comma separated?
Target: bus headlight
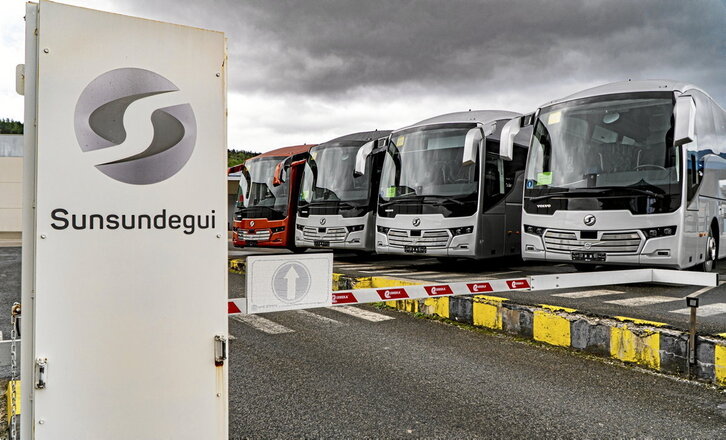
{"x": 462, "y": 230}
{"x": 300, "y": 227}
{"x": 383, "y": 229}
{"x": 355, "y": 228}
{"x": 664, "y": 231}
{"x": 277, "y": 229}
{"x": 536, "y": 230}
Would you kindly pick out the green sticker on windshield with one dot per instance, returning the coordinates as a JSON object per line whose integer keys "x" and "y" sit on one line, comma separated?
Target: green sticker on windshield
{"x": 305, "y": 195}
{"x": 544, "y": 178}
{"x": 391, "y": 191}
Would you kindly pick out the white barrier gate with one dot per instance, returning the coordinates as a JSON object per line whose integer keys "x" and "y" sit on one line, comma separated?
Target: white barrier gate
{"x": 124, "y": 280}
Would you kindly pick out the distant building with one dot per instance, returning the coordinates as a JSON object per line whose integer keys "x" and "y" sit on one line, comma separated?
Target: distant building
{"x": 11, "y": 186}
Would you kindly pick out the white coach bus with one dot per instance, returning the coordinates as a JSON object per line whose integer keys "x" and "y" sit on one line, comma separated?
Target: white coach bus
{"x": 339, "y": 193}
{"x": 629, "y": 173}
{"x": 447, "y": 190}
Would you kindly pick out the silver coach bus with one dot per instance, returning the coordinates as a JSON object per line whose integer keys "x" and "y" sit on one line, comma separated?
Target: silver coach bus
{"x": 339, "y": 191}
{"x": 629, "y": 173}
{"x": 447, "y": 190}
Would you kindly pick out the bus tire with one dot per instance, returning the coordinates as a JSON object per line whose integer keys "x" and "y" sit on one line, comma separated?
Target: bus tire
{"x": 711, "y": 255}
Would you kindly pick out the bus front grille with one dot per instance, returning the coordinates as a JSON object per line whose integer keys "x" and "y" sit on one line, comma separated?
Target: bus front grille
{"x": 611, "y": 242}
{"x": 259, "y": 235}
{"x": 433, "y": 239}
{"x": 333, "y": 235}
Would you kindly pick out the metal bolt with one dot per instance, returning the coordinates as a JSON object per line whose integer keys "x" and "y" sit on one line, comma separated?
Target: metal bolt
{"x": 42, "y": 236}
{"x": 46, "y": 50}
{"x": 41, "y": 421}
{"x": 218, "y": 74}
{"x": 219, "y": 235}
{"x": 219, "y": 394}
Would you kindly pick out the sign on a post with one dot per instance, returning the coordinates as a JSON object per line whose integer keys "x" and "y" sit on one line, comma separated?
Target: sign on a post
{"x": 288, "y": 282}
{"x": 124, "y": 278}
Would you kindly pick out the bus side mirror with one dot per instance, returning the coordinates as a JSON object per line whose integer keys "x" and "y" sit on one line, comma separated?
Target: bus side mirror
{"x": 685, "y": 115}
{"x": 277, "y": 178}
{"x": 506, "y": 138}
{"x": 361, "y": 157}
{"x": 471, "y": 145}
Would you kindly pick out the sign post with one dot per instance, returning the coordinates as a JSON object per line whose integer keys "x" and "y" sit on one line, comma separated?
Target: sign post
{"x": 124, "y": 239}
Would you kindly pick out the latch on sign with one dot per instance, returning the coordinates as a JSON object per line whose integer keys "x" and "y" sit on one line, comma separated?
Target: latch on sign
{"x": 220, "y": 350}
{"x": 41, "y": 372}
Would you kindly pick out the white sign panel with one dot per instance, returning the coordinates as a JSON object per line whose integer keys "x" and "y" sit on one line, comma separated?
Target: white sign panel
{"x": 288, "y": 282}
{"x": 129, "y": 230}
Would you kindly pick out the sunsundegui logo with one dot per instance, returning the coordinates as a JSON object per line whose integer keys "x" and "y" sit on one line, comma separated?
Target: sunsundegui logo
{"x": 479, "y": 287}
{"x": 392, "y": 293}
{"x": 438, "y": 290}
{"x": 518, "y": 284}
{"x": 344, "y": 298}
{"x": 99, "y": 124}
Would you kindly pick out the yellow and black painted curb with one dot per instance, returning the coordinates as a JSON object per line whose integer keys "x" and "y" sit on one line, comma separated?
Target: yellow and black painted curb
{"x": 649, "y": 344}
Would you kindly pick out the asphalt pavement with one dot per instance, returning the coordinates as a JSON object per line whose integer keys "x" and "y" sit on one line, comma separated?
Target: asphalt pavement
{"x": 361, "y": 372}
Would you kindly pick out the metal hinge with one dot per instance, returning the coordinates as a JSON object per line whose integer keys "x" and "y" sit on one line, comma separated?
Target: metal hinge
{"x": 41, "y": 373}
{"x": 220, "y": 350}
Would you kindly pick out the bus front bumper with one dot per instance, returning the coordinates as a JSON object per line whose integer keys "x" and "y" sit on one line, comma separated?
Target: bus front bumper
{"x": 657, "y": 252}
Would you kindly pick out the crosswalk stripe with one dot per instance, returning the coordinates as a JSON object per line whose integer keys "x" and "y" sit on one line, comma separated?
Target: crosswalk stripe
{"x": 644, "y": 301}
{"x": 588, "y": 293}
{"x": 362, "y": 313}
{"x": 262, "y": 324}
{"x": 315, "y": 316}
{"x": 707, "y": 310}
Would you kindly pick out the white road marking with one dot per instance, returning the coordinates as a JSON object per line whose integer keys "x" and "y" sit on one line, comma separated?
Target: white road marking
{"x": 262, "y": 324}
{"x": 588, "y": 293}
{"x": 704, "y": 290}
{"x": 644, "y": 301}
{"x": 362, "y": 313}
{"x": 315, "y": 316}
{"x": 707, "y": 310}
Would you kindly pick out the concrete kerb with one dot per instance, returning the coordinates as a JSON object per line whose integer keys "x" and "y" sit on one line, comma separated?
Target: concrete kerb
{"x": 648, "y": 344}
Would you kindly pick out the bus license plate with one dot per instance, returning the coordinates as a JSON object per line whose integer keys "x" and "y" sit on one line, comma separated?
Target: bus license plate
{"x": 414, "y": 249}
{"x": 588, "y": 256}
{"x": 250, "y": 243}
{"x": 321, "y": 243}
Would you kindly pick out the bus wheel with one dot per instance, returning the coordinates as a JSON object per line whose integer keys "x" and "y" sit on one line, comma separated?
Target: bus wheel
{"x": 709, "y": 264}
{"x": 584, "y": 267}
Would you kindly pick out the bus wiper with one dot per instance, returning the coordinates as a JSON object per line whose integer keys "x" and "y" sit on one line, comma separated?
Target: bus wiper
{"x": 403, "y": 198}
{"x": 444, "y": 199}
{"x": 595, "y": 191}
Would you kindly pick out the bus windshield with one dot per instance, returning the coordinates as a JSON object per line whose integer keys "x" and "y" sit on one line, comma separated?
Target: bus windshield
{"x": 329, "y": 176}
{"x": 619, "y": 143}
{"x": 425, "y": 163}
{"x": 257, "y": 196}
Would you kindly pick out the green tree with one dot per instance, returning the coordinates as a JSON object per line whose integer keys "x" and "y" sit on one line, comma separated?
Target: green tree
{"x": 236, "y": 157}
{"x": 8, "y": 126}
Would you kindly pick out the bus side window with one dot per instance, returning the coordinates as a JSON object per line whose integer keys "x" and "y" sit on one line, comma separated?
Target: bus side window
{"x": 513, "y": 167}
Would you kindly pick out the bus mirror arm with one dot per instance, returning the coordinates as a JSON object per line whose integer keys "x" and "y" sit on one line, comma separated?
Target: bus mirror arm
{"x": 506, "y": 139}
{"x": 361, "y": 157}
{"x": 685, "y": 116}
{"x": 277, "y": 179}
{"x": 471, "y": 145}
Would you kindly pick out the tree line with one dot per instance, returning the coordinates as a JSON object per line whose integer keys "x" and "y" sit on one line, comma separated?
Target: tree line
{"x": 8, "y": 126}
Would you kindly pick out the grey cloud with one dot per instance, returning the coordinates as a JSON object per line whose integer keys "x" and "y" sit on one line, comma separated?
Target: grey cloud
{"x": 333, "y": 48}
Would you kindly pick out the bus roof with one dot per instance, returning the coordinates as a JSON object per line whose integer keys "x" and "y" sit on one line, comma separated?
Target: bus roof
{"x": 361, "y": 136}
{"x": 648, "y": 85}
{"x": 284, "y": 151}
{"x": 476, "y": 116}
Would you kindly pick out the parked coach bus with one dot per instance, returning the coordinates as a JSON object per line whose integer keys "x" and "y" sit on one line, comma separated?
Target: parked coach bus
{"x": 448, "y": 191}
{"x": 337, "y": 202}
{"x": 626, "y": 173}
{"x": 267, "y": 198}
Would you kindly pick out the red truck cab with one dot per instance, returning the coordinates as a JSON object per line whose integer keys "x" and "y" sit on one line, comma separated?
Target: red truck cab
{"x": 267, "y": 199}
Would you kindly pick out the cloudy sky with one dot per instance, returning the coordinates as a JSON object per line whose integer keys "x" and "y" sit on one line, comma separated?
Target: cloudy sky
{"x": 306, "y": 71}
